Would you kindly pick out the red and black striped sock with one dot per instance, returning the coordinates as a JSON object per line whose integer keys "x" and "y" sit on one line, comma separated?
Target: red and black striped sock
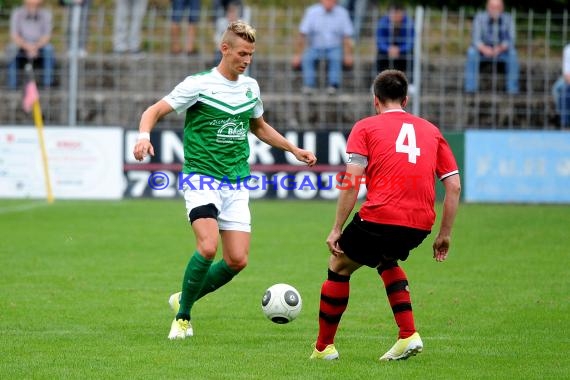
{"x": 334, "y": 300}
{"x": 398, "y": 292}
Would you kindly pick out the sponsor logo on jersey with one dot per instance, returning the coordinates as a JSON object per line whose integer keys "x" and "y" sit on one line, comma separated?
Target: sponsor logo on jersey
{"x": 231, "y": 131}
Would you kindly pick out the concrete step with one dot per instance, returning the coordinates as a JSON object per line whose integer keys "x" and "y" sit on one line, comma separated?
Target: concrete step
{"x": 293, "y": 111}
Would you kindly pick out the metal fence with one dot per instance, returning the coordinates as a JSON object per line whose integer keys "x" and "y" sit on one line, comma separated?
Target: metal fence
{"x": 115, "y": 89}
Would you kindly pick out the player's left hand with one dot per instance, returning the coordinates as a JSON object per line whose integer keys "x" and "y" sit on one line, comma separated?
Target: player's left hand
{"x": 305, "y": 156}
{"x": 441, "y": 248}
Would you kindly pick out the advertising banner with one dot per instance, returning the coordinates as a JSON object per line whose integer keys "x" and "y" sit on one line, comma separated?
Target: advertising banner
{"x": 275, "y": 174}
{"x": 84, "y": 163}
{"x": 517, "y": 166}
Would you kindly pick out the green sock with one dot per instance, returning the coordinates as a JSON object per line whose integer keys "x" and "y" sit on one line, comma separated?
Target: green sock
{"x": 218, "y": 275}
{"x": 194, "y": 277}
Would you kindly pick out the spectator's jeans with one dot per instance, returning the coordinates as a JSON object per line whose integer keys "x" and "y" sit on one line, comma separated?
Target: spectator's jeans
{"x": 557, "y": 88}
{"x": 333, "y": 57}
{"x": 474, "y": 58}
{"x": 403, "y": 63}
{"x": 129, "y": 17}
{"x": 83, "y": 24}
{"x": 47, "y": 58}
{"x": 564, "y": 104}
{"x": 178, "y": 7}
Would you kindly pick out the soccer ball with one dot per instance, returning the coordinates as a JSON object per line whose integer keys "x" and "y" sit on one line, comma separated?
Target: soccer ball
{"x": 281, "y": 303}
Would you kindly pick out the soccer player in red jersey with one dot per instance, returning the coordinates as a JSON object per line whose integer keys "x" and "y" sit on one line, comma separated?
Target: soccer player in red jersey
{"x": 397, "y": 155}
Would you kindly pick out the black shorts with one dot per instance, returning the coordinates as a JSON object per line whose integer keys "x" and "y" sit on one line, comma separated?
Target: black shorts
{"x": 371, "y": 244}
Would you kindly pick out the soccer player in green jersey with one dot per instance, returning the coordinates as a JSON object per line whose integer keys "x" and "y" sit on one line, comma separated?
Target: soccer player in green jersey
{"x": 221, "y": 106}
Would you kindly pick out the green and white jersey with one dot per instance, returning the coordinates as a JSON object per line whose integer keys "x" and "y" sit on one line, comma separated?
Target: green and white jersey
{"x": 217, "y": 122}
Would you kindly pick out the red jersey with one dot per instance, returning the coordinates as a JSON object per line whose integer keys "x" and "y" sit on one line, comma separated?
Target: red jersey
{"x": 404, "y": 153}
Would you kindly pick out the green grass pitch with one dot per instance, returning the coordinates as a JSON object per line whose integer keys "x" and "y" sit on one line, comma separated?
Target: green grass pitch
{"x": 84, "y": 290}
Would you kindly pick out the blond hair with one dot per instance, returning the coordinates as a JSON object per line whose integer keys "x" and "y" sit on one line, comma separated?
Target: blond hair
{"x": 240, "y": 29}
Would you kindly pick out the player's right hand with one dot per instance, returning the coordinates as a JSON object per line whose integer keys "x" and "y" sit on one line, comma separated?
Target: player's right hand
{"x": 143, "y": 148}
{"x": 332, "y": 242}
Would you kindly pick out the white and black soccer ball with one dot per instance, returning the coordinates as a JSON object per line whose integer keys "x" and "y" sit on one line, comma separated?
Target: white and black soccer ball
{"x": 281, "y": 303}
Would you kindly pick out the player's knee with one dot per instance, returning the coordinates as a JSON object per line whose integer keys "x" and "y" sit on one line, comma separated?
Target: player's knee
{"x": 207, "y": 247}
{"x": 238, "y": 264}
{"x": 340, "y": 266}
{"x": 204, "y": 211}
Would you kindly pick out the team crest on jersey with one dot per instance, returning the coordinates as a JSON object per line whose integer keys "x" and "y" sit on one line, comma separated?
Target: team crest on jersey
{"x": 249, "y": 93}
{"x": 230, "y": 131}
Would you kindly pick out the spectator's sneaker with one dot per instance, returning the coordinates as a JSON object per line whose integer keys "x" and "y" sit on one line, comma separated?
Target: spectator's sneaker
{"x": 174, "y": 302}
{"x": 308, "y": 90}
{"x": 331, "y": 90}
{"x": 329, "y": 353}
{"x": 404, "y": 348}
{"x": 180, "y": 329}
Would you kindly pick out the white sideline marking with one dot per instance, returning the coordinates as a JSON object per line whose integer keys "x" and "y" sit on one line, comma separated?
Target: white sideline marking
{"x": 21, "y": 207}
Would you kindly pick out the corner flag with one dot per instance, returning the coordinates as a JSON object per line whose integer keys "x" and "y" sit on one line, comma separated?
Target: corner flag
{"x": 31, "y": 96}
{"x": 31, "y": 102}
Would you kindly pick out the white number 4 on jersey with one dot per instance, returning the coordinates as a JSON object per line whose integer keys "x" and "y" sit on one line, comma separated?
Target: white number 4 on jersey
{"x": 410, "y": 148}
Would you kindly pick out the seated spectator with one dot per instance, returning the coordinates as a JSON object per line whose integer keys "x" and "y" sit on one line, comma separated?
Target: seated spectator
{"x": 30, "y": 35}
{"x": 325, "y": 33}
{"x": 395, "y": 41}
{"x": 561, "y": 90}
{"x": 493, "y": 41}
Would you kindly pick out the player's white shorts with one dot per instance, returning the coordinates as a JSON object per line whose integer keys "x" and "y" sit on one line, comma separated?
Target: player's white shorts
{"x": 232, "y": 203}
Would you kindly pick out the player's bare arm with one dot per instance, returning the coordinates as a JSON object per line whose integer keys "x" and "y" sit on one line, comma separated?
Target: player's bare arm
{"x": 346, "y": 200}
{"x": 442, "y": 241}
{"x": 269, "y": 135}
{"x": 149, "y": 119}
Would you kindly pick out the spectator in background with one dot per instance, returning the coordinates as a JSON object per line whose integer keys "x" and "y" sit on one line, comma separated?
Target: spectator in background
{"x": 84, "y": 6}
{"x": 129, "y": 15}
{"x": 395, "y": 41}
{"x": 219, "y": 8}
{"x": 493, "y": 41}
{"x": 30, "y": 34}
{"x": 178, "y": 7}
{"x": 233, "y": 11}
{"x": 325, "y": 33}
{"x": 561, "y": 90}
{"x": 356, "y": 10}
